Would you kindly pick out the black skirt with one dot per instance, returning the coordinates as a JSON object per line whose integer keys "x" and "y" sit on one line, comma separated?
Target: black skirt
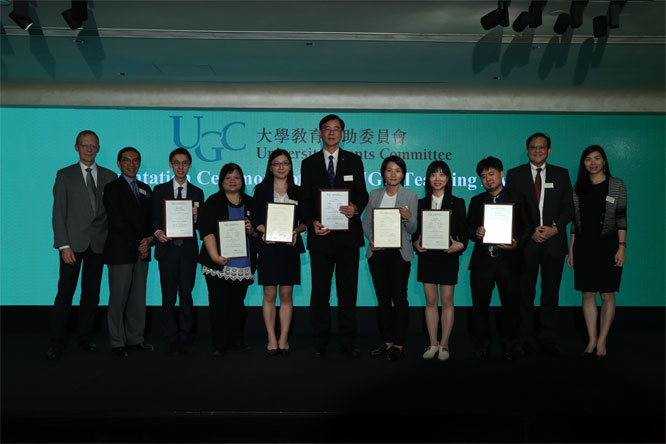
{"x": 436, "y": 267}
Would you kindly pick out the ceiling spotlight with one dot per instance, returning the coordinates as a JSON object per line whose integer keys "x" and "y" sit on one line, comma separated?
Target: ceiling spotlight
{"x": 499, "y": 16}
{"x": 20, "y": 15}
{"x": 573, "y": 19}
{"x": 531, "y": 17}
{"x": 76, "y": 15}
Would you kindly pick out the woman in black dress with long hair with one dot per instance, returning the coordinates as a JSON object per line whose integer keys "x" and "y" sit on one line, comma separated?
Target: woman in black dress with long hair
{"x": 598, "y": 243}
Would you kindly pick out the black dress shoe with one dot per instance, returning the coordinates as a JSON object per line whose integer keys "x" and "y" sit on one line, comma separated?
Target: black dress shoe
{"x": 87, "y": 346}
{"x": 482, "y": 354}
{"x": 527, "y": 348}
{"x": 284, "y": 351}
{"x": 218, "y": 353}
{"x": 552, "y": 349}
{"x": 53, "y": 354}
{"x": 272, "y": 351}
{"x": 508, "y": 355}
{"x": 121, "y": 352}
{"x": 318, "y": 352}
{"x": 351, "y": 351}
{"x": 395, "y": 354}
{"x": 142, "y": 346}
{"x": 380, "y": 351}
{"x": 174, "y": 349}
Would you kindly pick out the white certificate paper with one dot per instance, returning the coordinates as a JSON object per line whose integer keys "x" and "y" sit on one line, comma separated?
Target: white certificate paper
{"x": 280, "y": 222}
{"x": 498, "y": 222}
{"x": 233, "y": 243}
{"x": 331, "y": 217}
{"x": 435, "y": 229}
{"x": 178, "y": 219}
{"x": 386, "y": 228}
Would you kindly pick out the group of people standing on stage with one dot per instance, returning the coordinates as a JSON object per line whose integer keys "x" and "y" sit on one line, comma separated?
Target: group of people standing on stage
{"x": 119, "y": 226}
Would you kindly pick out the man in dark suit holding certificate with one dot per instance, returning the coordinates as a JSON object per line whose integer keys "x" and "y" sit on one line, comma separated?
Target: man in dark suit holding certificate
{"x": 79, "y": 228}
{"x": 177, "y": 258}
{"x": 549, "y": 198}
{"x": 330, "y": 251}
{"x": 492, "y": 265}
{"x": 127, "y": 253}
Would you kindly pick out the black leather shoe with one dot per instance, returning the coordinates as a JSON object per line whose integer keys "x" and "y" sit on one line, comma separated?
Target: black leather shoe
{"x": 142, "y": 346}
{"x": 527, "y": 348}
{"x": 53, "y": 354}
{"x": 380, "y": 351}
{"x": 552, "y": 349}
{"x": 508, "y": 355}
{"x": 272, "y": 351}
{"x": 121, "y": 352}
{"x": 318, "y": 352}
{"x": 352, "y": 351}
{"x": 174, "y": 349}
{"x": 394, "y": 354}
{"x": 284, "y": 351}
{"x": 217, "y": 353}
{"x": 482, "y": 354}
{"x": 88, "y": 346}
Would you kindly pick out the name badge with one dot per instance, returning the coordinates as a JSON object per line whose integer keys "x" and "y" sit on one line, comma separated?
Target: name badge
{"x": 142, "y": 191}
{"x": 196, "y": 204}
{"x": 610, "y": 199}
{"x": 349, "y": 178}
{"x": 548, "y": 185}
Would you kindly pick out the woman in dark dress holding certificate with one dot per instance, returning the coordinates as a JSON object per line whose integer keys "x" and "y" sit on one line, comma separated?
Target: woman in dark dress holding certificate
{"x": 279, "y": 264}
{"x": 390, "y": 267}
{"x": 598, "y": 243}
{"x": 438, "y": 270}
{"x": 227, "y": 278}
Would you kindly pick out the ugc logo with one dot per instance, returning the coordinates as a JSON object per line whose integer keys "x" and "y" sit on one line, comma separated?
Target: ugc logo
{"x": 208, "y": 145}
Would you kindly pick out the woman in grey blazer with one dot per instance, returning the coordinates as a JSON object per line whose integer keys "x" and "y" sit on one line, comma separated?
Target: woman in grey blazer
{"x": 390, "y": 267}
{"x": 598, "y": 243}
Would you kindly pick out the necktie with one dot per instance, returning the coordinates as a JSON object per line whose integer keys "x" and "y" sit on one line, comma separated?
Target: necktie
{"x": 135, "y": 188}
{"x": 331, "y": 172}
{"x": 537, "y": 184}
{"x": 92, "y": 189}
{"x": 179, "y": 242}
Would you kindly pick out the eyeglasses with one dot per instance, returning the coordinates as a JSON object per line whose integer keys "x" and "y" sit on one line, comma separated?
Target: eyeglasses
{"x": 537, "y": 148}
{"x": 88, "y": 146}
{"x": 280, "y": 164}
{"x": 135, "y": 160}
{"x": 328, "y": 129}
{"x": 183, "y": 163}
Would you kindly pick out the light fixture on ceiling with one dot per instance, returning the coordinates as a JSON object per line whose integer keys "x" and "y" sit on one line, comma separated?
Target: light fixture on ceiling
{"x": 76, "y": 15}
{"x": 20, "y": 15}
{"x": 531, "y": 17}
{"x": 499, "y": 16}
{"x": 573, "y": 19}
{"x": 601, "y": 23}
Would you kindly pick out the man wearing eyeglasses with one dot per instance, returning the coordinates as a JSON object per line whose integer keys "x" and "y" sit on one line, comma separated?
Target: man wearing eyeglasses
{"x": 549, "y": 197}
{"x": 177, "y": 258}
{"x": 333, "y": 168}
{"x": 127, "y": 253}
{"x": 79, "y": 228}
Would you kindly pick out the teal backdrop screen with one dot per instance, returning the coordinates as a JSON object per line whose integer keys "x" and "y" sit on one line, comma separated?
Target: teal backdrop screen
{"x": 36, "y": 142}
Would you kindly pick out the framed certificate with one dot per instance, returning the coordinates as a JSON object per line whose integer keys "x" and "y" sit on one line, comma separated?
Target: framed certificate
{"x": 330, "y": 216}
{"x": 498, "y": 222}
{"x": 280, "y": 222}
{"x": 233, "y": 243}
{"x": 178, "y": 218}
{"x": 435, "y": 229}
{"x": 386, "y": 228}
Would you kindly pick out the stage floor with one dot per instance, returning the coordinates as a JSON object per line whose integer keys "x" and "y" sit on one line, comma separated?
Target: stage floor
{"x": 250, "y": 396}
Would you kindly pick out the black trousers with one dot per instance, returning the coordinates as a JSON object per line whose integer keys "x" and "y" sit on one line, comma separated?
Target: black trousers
{"x": 177, "y": 275}
{"x": 226, "y": 309}
{"x": 537, "y": 258}
{"x": 482, "y": 282}
{"x": 390, "y": 274}
{"x": 91, "y": 279}
{"x": 344, "y": 261}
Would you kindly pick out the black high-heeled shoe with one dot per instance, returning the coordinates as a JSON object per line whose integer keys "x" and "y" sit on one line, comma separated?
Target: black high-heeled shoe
{"x": 284, "y": 351}
{"x": 273, "y": 351}
{"x": 587, "y": 354}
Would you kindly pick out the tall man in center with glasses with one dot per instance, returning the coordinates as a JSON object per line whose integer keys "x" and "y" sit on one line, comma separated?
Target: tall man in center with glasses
{"x": 333, "y": 168}
{"x": 177, "y": 258}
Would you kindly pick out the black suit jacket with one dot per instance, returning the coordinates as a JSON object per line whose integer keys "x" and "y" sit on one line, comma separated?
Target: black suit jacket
{"x": 557, "y": 204}
{"x": 165, "y": 191}
{"x": 480, "y": 256}
{"x": 458, "y": 227}
{"x": 315, "y": 177}
{"x": 129, "y": 221}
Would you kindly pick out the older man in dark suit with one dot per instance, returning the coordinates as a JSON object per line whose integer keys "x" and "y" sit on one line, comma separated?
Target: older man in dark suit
{"x": 127, "y": 252}
{"x": 79, "y": 228}
{"x": 177, "y": 258}
{"x": 330, "y": 251}
{"x": 549, "y": 198}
